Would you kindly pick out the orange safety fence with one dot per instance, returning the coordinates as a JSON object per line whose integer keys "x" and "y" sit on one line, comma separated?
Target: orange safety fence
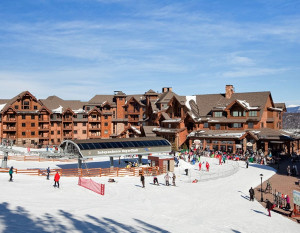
{"x": 92, "y": 172}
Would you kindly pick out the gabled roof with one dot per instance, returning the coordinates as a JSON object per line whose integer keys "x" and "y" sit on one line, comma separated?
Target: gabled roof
{"x": 58, "y": 105}
{"x": 151, "y": 92}
{"x": 100, "y": 99}
{"x": 165, "y": 97}
{"x": 138, "y": 98}
{"x": 11, "y": 101}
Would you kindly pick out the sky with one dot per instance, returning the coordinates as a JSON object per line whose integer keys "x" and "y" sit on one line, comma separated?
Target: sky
{"x": 76, "y": 49}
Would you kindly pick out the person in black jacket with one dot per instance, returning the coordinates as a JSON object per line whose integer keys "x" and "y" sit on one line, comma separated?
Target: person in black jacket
{"x": 251, "y": 192}
{"x": 143, "y": 180}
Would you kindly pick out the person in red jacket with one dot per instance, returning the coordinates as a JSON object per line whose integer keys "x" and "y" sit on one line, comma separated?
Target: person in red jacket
{"x": 207, "y": 166}
{"x": 200, "y": 164}
{"x": 56, "y": 179}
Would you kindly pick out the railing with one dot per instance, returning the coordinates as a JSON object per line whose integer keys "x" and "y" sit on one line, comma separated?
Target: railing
{"x": 78, "y": 172}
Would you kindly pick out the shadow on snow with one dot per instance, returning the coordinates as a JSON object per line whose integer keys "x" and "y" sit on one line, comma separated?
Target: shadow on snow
{"x": 19, "y": 220}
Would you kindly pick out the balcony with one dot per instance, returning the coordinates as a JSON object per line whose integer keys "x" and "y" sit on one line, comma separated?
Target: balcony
{"x": 94, "y": 119}
{"x": 44, "y": 119}
{"x": 133, "y": 119}
{"x": 132, "y": 112}
{"x": 69, "y": 119}
{"x": 68, "y": 136}
{"x": 44, "y": 137}
{"x": 94, "y": 127}
{"x": 9, "y": 119}
{"x": 43, "y": 128}
{"x": 67, "y": 127}
{"x": 9, "y": 128}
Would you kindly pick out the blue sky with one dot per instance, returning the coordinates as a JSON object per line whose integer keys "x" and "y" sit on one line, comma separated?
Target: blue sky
{"x": 78, "y": 48}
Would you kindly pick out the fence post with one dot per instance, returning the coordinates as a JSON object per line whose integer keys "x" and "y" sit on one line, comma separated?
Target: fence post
{"x": 117, "y": 172}
{"x": 100, "y": 171}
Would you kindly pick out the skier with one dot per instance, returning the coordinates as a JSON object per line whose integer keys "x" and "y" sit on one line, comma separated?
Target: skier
{"x": 247, "y": 163}
{"x": 173, "y": 179}
{"x": 200, "y": 164}
{"x": 167, "y": 177}
{"x": 48, "y": 173}
{"x": 207, "y": 166}
{"x": 11, "y": 171}
{"x": 155, "y": 180}
{"x": 56, "y": 179}
{"x": 220, "y": 160}
{"x": 143, "y": 180}
{"x": 251, "y": 192}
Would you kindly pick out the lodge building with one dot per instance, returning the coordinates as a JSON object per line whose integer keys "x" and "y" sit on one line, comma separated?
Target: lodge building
{"x": 228, "y": 121}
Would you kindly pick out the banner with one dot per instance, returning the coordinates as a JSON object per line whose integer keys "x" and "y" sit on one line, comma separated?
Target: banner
{"x": 296, "y": 197}
{"x": 91, "y": 185}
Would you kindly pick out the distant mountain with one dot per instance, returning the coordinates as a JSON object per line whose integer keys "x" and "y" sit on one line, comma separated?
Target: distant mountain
{"x": 295, "y": 109}
{"x": 291, "y": 121}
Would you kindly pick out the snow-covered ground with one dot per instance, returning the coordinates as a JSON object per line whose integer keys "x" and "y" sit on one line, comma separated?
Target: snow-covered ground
{"x": 32, "y": 204}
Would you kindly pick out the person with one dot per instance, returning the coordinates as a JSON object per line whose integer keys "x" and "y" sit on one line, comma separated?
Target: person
{"x": 200, "y": 164}
{"x": 56, "y": 180}
{"x": 269, "y": 206}
{"x": 48, "y": 173}
{"x": 10, "y": 172}
{"x": 173, "y": 179}
{"x": 155, "y": 180}
{"x": 186, "y": 171}
{"x": 247, "y": 163}
{"x": 167, "y": 177}
{"x": 143, "y": 180}
{"x": 288, "y": 205}
{"x": 251, "y": 192}
{"x": 111, "y": 180}
{"x": 288, "y": 169}
{"x": 207, "y": 166}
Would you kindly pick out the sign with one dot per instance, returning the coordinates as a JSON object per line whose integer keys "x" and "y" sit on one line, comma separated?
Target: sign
{"x": 296, "y": 197}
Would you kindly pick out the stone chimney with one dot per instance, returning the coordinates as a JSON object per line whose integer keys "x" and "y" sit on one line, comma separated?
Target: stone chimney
{"x": 229, "y": 90}
{"x": 166, "y": 89}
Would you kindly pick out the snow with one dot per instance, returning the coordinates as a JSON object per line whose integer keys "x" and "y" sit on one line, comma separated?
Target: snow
{"x": 2, "y": 106}
{"x": 58, "y": 110}
{"x": 188, "y": 98}
{"x": 246, "y": 104}
{"x": 80, "y": 110}
{"x": 135, "y": 129}
{"x": 32, "y": 204}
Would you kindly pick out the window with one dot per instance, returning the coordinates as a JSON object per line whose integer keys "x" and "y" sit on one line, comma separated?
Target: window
{"x": 217, "y": 126}
{"x": 236, "y": 125}
{"x": 58, "y": 140}
{"x": 16, "y": 107}
{"x": 35, "y": 107}
{"x": 88, "y": 108}
{"x": 23, "y": 133}
{"x": 52, "y": 141}
{"x": 23, "y": 117}
{"x": 52, "y": 132}
{"x": 105, "y": 131}
{"x": 84, "y": 124}
{"x": 26, "y": 105}
{"x": 23, "y": 124}
{"x": 218, "y": 114}
{"x": 253, "y": 113}
{"x": 32, "y": 117}
{"x": 83, "y": 131}
{"x": 32, "y": 142}
{"x": 126, "y": 116}
{"x": 94, "y": 116}
{"x": 32, "y": 133}
{"x": 32, "y": 124}
{"x": 75, "y": 131}
{"x": 238, "y": 113}
{"x": 250, "y": 125}
{"x": 58, "y": 131}
{"x": 262, "y": 125}
{"x": 105, "y": 124}
{"x": 205, "y": 125}
{"x": 75, "y": 123}
{"x": 52, "y": 124}
{"x": 114, "y": 114}
{"x": 105, "y": 117}
{"x": 85, "y": 116}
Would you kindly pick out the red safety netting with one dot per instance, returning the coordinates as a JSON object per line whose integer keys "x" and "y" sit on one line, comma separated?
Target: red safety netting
{"x": 91, "y": 185}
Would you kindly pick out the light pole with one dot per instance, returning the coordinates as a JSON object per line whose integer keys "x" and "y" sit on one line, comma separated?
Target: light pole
{"x": 261, "y": 198}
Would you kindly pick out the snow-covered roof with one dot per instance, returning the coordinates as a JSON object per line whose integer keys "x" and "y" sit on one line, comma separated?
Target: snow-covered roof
{"x": 80, "y": 110}
{"x": 2, "y": 106}
{"x": 275, "y": 109}
{"x": 58, "y": 110}
{"x": 135, "y": 130}
{"x": 246, "y": 105}
{"x": 172, "y": 120}
{"x": 187, "y": 101}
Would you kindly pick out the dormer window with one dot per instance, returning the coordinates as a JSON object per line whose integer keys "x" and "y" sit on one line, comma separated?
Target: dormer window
{"x": 238, "y": 113}
{"x": 218, "y": 114}
{"x": 25, "y": 105}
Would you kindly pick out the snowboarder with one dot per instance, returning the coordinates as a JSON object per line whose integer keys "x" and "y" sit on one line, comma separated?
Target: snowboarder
{"x": 207, "y": 166}
{"x": 251, "y": 192}
{"x": 155, "y": 180}
{"x": 56, "y": 179}
{"x": 48, "y": 173}
{"x": 173, "y": 179}
{"x": 10, "y": 172}
{"x": 143, "y": 180}
{"x": 269, "y": 206}
{"x": 167, "y": 177}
